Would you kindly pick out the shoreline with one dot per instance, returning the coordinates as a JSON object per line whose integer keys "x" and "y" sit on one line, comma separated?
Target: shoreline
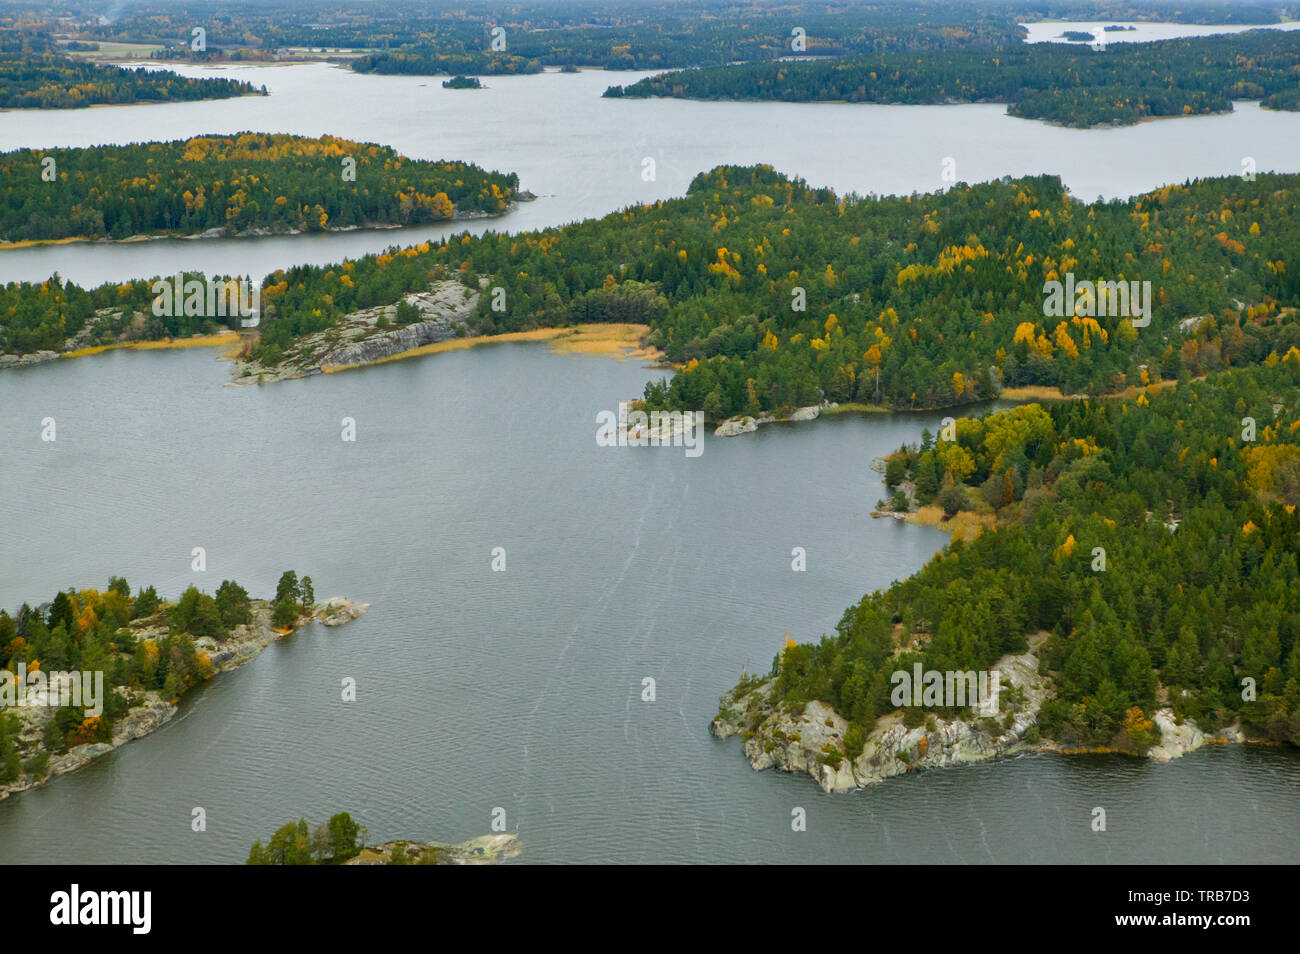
{"x": 606, "y": 339}
{"x": 797, "y": 739}
{"x": 244, "y": 644}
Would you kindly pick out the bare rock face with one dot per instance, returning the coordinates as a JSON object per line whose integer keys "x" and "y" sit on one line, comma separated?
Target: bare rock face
{"x": 141, "y": 720}
{"x": 735, "y": 426}
{"x": 445, "y": 310}
{"x": 483, "y": 850}
{"x": 26, "y": 360}
{"x": 336, "y": 611}
{"x": 811, "y": 738}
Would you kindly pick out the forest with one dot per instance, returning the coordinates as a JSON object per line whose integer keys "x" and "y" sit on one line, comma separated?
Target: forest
{"x": 113, "y": 632}
{"x": 330, "y": 843}
{"x": 32, "y": 76}
{"x": 1154, "y": 539}
{"x": 1065, "y": 84}
{"x": 770, "y": 294}
{"x": 420, "y": 37}
{"x": 273, "y": 182}
{"x": 410, "y": 36}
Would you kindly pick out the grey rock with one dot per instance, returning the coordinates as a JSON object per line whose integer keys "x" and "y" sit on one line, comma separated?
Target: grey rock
{"x": 735, "y": 426}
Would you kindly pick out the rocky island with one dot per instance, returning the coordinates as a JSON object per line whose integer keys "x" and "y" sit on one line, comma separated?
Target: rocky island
{"x": 1078, "y": 576}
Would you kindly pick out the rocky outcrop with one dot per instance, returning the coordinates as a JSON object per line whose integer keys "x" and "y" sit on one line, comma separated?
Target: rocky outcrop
{"x": 735, "y": 426}
{"x": 152, "y": 713}
{"x": 1176, "y": 739}
{"x": 811, "y": 738}
{"x": 445, "y": 310}
{"x": 483, "y": 850}
{"x": 744, "y": 424}
{"x": 389, "y": 343}
{"x": 336, "y": 611}
{"x": 26, "y": 360}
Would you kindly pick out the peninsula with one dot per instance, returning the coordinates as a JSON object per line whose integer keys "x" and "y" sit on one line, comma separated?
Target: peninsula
{"x": 99, "y": 669}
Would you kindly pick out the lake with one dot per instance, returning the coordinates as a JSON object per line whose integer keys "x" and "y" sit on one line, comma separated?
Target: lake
{"x": 1049, "y": 31}
{"x": 518, "y": 689}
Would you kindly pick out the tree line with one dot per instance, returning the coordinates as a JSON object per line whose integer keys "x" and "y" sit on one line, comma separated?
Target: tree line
{"x": 1153, "y": 539}
{"x": 112, "y": 631}
{"x": 34, "y": 75}
{"x": 1060, "y": 83}
{"x": 266, "y": 181}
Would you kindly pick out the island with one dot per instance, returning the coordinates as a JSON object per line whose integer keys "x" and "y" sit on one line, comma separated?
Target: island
{"x": 236, "y": 185}
{"x": 808, "y": 299}
{"x": 462, "y": 82}
{"x": 98, "y": 669}
{"x": 342, "y": 841}
{"x": 34, "y": 74}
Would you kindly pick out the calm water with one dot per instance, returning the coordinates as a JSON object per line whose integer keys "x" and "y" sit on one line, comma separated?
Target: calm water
{"x": 1049, "y": 31}
{"x": 583, "y": 154}
{"x": 520, "y": 689}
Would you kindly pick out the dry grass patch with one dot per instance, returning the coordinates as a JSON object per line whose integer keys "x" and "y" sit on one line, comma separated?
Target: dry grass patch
{"x": 201, "y": 341}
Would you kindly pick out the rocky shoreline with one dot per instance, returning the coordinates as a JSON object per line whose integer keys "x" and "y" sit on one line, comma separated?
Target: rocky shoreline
{"x": 800, "y": 739}
{"x": 446, "y": 309}
{"x": 483, "y": 850}
{"x": 744, "y": 424}
{"x": 150, "y": 710}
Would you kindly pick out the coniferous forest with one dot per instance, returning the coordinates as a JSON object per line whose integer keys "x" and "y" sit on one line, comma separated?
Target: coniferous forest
{"x": 771, "y": 294}
{"x": 34, "y": 75}
{"x": 1188, "y": 496}
{"x": 978, "y": 434}
{"x": 263, "y": 181}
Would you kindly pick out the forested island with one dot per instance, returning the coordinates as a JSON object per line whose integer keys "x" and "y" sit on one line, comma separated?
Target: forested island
{"x": 245, "y": 183}
{"x": 341, "y": 841}
{"x": 33, "y": 75}
{"x": 920, "y": 301}
{"x": 1059, "y": 83}
{"x": 148, "y": 654}
{"x": 1138, "y": 583}
{"x": 770, "y": 294}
